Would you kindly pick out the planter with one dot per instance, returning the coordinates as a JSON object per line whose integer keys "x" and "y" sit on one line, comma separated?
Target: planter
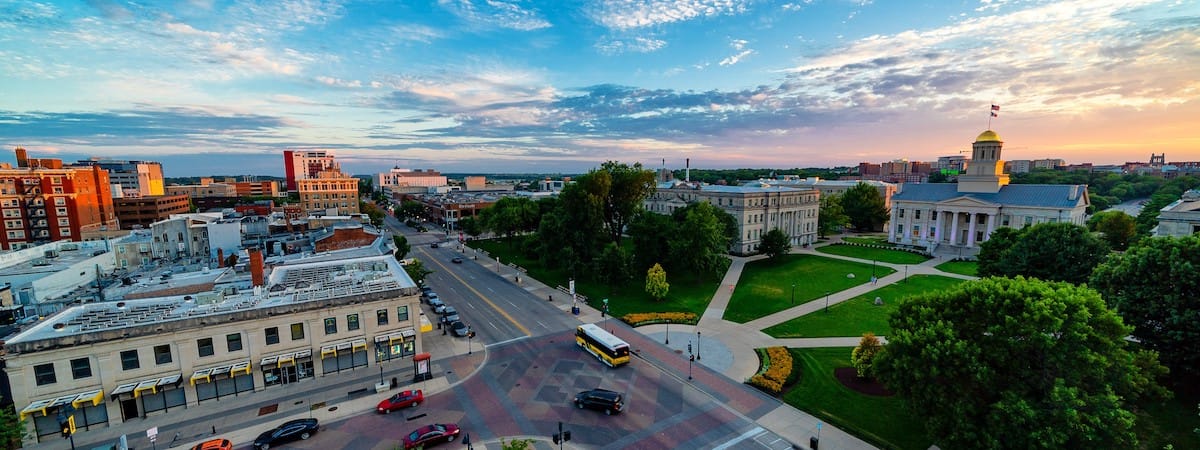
{"x": 380, "y": 387}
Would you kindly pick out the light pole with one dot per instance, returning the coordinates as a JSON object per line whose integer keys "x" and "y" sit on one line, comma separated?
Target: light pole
{"x": 691, "y": 358}
{"x": 827, "y": 301}
{"x": 793, "y": 294}
{"x": 470, "y": 334}
{"x": 697, "y": 344}
{"x": 667, "y": 341}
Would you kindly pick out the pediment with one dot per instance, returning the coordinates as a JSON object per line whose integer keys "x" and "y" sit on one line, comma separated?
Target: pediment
{"x": 966, "y": 202}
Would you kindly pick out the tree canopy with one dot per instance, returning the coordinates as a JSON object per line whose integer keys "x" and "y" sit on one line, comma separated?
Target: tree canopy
{"x": 1017, "y": 363}
{"x": 1115, "y": 227}
{"x": 700, "y": 242}
{"x": 864, "y": 207}
{"x": 1049, "y": 251}
{"x": 1155, "y": 287}
{"x": 831, "y": 217}
{"x": 656, "y": 282}
{"x": 775, "y": 244}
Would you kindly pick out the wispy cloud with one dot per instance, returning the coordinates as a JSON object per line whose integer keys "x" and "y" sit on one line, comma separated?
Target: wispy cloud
{"x": 637, "y": 44}
{"x": 498, "y": 13}
{"x": 740, "y": 46}
{"x": 627, "y": 14}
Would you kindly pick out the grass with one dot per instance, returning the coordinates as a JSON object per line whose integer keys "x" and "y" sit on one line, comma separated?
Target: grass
{"x": 860, "y": 315}
{"x": 882, "y": 421}
{"x": 960, "y": 267}
{"x": 1170, "y": 422}
{"x": 687, "y": 294}
{"x": 875, "y": 254}
{"x": 766, "y": 286}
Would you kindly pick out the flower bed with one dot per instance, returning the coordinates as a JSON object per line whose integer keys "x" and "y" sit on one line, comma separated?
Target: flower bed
{"x": 775, "y": 370}
{"x": 639, "y": 319}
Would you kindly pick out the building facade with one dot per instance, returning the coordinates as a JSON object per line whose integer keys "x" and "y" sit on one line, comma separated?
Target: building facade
{"x": 42, "y": 204}
{"x": 962, "y": 216}
{"x": 757, "y": 209}
{"x": 398, "y": 177}
{"x": 107, "y": 363}
{"x": 331, "y": 192}
{"x": 203, "y": 190}
{"x": 140, "y": 212}
{"x": 301, "y": 164}
{"x": 134, "y": 178}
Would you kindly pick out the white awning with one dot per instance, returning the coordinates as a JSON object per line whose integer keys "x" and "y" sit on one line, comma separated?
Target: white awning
{"x": 93, "y": 397}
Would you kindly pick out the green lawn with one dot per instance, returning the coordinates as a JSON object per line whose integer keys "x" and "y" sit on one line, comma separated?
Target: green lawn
{"x": 869, "y": 240}
{"x": 860, "y": 315}
{"x": 876, "y": 254}
{"x": 686, "y": 293}
{"x": 882, "y": 421}
{"x": 960, "y": 267}
{"x": 766, "y": 286}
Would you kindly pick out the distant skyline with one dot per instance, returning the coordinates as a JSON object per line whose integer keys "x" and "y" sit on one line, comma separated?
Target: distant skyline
{"x": 224, "y": 87}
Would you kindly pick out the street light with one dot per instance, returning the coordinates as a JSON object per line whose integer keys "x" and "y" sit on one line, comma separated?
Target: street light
{"x": 697, "y": 343}
{"x": 667, "y": 341}
{"x": 793, "y": 294}
{"x": 470, "y": 334}
{"x": 691, "y": 358}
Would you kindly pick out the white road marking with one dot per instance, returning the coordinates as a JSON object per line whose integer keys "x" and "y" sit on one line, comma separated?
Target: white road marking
{"x": 741, "y": 438}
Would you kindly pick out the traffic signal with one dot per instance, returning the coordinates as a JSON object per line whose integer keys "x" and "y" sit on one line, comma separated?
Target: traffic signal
{"x": 566, "y": 436}
{"x": 557, "y": 438}
{"x": 470, "y": 335}
{"x": 68, "y": 427}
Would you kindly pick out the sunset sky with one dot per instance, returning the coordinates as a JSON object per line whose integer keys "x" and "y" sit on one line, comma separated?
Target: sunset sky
{"x": 223, "y": 87}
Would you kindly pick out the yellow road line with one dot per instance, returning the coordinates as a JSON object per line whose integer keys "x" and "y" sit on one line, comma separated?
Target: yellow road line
{"x": 478, "y": 294}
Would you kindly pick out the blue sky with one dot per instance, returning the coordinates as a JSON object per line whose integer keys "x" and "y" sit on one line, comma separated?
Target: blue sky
{"x": 223, "y": 87}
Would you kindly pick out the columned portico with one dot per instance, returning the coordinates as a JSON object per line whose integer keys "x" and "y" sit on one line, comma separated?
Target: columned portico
{"x": 971, "y": 229}
{"x": 953, "y": 228}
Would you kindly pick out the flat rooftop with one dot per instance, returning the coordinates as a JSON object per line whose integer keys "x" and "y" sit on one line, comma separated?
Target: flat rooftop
{"x": 294, "y": 283}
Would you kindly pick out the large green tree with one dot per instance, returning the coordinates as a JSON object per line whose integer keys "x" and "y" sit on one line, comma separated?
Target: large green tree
{"x": 700, "y": 242}
{"x": 622, "y": 189}
{"x": 831, "y": 218}
{"x": 417, "y": 271}
{"x": 775, "y": 244}
{"x": 1017, "y": 363}
{"x": 1155, "y": 287}
{"x": 12, "y": 427}
{"x": 613, "y": 265}
{"x": 651, "y": 234}
{"x": 411, "y": 210}
{"x": 509, "y": 216}
{"x": 402, "y": 246}
{"x": 864, "y": 207}
{"x": 1116, "y": 228}
{"x": 1049, "y": 251}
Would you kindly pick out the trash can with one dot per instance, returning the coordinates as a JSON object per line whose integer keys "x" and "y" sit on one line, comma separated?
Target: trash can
{"x": 812, "y": 442}
{"x": 395, "y": 383}
{"x": 575, "y": 310}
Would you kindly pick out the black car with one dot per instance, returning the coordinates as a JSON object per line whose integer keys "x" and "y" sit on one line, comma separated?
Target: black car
{"x": 433, "y": 245}
{"x": 287, "y": 432}
{"x": 456, "y": 260}
{"x": 602, "y": 399}
{"x": 458, "y": 328}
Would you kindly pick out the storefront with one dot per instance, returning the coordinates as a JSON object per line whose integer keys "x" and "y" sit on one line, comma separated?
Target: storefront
{"x": 150, "y": 396}
{"x": 343, "y": 356}
{"x": 216, "y": 382}
{"x": 88, "y": 408}
{"x": 287, "y": 368}
{"x": 395, "y": 345}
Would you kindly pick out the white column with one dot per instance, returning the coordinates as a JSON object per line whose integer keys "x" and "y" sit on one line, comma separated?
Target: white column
{"x": 991, "y": 226}
{"x": 908, "y": 224}
{"x": 953, "y": 228}
{"x": 971, "y": 230}
{"x": 892, "y": 225}
{"x": 937, "y": 232}
{"x": 925, "y": 226}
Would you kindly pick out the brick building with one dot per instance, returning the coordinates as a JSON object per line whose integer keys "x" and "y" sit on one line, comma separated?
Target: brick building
{"x": 140, "y": 212}
{"x": 42, "y": 201}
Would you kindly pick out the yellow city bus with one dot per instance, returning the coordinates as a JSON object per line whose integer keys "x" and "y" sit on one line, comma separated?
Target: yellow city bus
{"x": 606, "y": 347}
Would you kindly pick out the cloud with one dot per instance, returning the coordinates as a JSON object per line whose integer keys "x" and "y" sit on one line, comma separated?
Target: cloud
{"x": 734, "y": 59}
{"x": 498, "y": 13}
{"x": 628, "y": 14}
{"x": 614, "y": 46}
{"x": 128, "y": 127}
{"x": 339, "y": 83}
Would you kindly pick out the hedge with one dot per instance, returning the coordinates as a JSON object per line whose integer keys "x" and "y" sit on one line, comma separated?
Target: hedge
{"x": 639, "y": 319}
{"x": 775, "y": 371}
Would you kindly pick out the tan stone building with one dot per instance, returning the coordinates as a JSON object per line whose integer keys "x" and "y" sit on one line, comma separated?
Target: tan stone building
{"x": 330, "y": 193}
{"x": 109, "y": 362}
{"x": 757, "y": 209}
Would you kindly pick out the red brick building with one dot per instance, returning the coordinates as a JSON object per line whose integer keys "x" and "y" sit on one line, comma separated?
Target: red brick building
{"x": 144, "y": 211}
{"x": 343, "y": 237}
{"x": 42, "y": 201}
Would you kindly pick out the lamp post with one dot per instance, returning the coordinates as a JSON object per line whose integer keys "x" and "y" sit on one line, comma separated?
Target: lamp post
{"x": 470, "y": 334}
{"x": 667, "y": 341}
{"x": 827, "y": 301}
{"x": 691, "y": 358}
{"x": 697, "y": 344}
{"x": 793, "y": 294}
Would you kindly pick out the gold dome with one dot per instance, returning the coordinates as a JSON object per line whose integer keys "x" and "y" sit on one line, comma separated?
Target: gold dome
{"x": 988, "y": 136}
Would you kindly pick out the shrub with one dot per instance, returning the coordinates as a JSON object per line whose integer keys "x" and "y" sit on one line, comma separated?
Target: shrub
{"x": 638, "y": 319}
{"x": 864, "y": 355}
{"x": 775, "y": 370}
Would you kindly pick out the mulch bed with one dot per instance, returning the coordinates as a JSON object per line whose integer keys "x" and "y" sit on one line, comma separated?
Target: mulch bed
{"x": 848, "y": 376}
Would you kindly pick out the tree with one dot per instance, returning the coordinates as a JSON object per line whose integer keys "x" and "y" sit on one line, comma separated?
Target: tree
{"x": 417, "y": 271}
{"x": 412, "y": 210}
{"x": 775, "y": 244}
{"x": 651, "y": 234}
{"x": 864, "y": 207}
{"x": 1017, "y": 363}
{"x": 832, "y": 217}
{"x": 700, "y": 242}
{"x": 629, "y": 187}
{"x": 470, "y": 226}
{"x": 516, "y": 444}
{"x": 402, "y": 247}
{"x": 614, "y": 265}
{"x": 864, "y": 355}
{"x": 937, "y": 177}
{"x": 656, "y": 283}
{"x": 1049, "y": 251}
{"x": 1116, "y": 227}
{"x": 1155, "y": 287}
{"x": 12, "y": 427}
{"x": 510, "y": 215}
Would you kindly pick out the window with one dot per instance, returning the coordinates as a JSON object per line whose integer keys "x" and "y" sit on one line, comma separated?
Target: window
{"x": 381, "y": 317}
{"x": 901, "y": 213}
{"x": 44, "y": 374}
{"x": 272, "y": 335}
{"x": 234, "y": 342}
{"x": 206, "y": 347}
{"x": 330, "y": 325}
{"x": 162, "y": 354}
{"x": 352, "y": 322}
{"x": 917, "y": 214}
{"x": 129, "y": 360}
{"x": 60, "y": 201}
{"x": 402, "y": 313}
{"x": 81, "y": 368}
{"x": 297, "y": 331}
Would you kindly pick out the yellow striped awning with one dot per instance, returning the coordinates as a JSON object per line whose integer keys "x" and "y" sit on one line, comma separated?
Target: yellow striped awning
{"x": 36, "y": 407}
{"x": 289, "y": 358}
{"x": 148, "y": 385}
{"x": 243, "y": 367}
{"x": 201, "y": 375}
{"x": 329, "y": 350}
{"x": 358, "y": 345}
{"x": 94, "y": 397}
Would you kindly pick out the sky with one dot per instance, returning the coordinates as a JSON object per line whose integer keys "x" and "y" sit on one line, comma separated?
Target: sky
{"x": 210, "y": 87}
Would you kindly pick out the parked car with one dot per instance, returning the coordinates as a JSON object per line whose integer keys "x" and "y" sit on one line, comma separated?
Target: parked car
{"x": 403, "y": 399}
{"x": 602, "y": 399}
{"x": 215, "y": 444}
{"x": 448, "y": 310}
{"x": 437, "y": 304}
{"x": 458, "y": 328}
{"x": 451, "y": 317}
{"x": 456, "y": 260}
{"x": 425, "y": 291}
{"x": 430, "y": 435}
{"x": 433, "y": 245}
{"x": 286, "y": 432}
